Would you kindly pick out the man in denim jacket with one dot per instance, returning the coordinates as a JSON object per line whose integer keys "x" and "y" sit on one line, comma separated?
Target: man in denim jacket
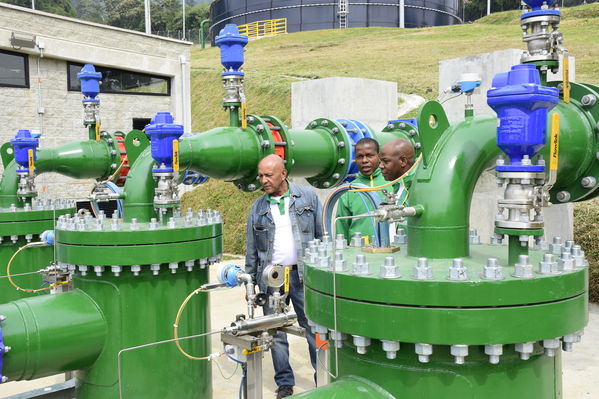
{"x": 280, "y": 225}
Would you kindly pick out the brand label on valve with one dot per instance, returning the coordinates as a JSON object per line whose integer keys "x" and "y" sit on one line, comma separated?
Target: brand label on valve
{"x": 554, "y": 150}
{"x": 30, "y": 160}
{"x": 176, "y": 155}
{"x": 97, "y": 131}
{"x": 244, "y": 120}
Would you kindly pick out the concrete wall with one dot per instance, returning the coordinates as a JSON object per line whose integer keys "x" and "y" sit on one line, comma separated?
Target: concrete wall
{"x": 61, "y": 39}
{"x": 558, "y": 218}
{"x": 373, "y": 102}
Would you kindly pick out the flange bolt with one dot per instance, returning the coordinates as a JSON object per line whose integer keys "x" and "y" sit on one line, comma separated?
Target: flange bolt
{"x": 566, "y": 263}
{"x": 588, "y": 182}
{"x": 556, "y": 246}
{"x": 578, "y": 255}
{"x": 424, "y": 351}
{"x": 548, "y": 265}
{"x": 563, "y": 196}
{"x": 493, "y": 270}
{"x": 388, "y": 268}
{"x": 340, "y": 242}
{"x": 338, "y": 338}
{"x": 569, "y": 340}
{"x": 551, "y": 346}
{"x": 390, "y": 348}
{"x": 356, "y": 240}
{"x": 523, "y": 269}
{"x": 459, "y": 352}
{"x": 361, "y": 266}
{"x": 494, "y": 352}
{"x": 361, "y": 343}
{"x": 457, "y": 271}
{"x": 324, "y": 261}
{"x": 525, "y": 349}
{"x": 422, "y": 270}
{"x": 400, "y": 237}
{"x": 588, "y": 100}
{"x": 339, "y": 263}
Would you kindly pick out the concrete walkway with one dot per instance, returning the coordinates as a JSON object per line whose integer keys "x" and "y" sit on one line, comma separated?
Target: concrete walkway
{"x": 580, "y": 380}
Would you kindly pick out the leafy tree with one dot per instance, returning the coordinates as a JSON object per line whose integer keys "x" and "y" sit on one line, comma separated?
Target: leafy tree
{"x": 128, "y": 14}
{"x": 60, "y": 7}
{"x": 475, "y": 9}
{"x": 90, "y": 10}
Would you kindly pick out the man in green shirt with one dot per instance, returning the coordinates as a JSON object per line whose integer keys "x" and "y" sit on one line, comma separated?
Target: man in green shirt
{"x": 397, "y": 157}
{"x": 350, "y": 204}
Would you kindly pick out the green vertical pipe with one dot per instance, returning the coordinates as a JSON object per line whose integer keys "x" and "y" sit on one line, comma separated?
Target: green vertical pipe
{"x": 515, "y": 249}
{"x": 234, "y": 116}
{"x": 9, "y": 186}
{"x": 141, "y": 310}
{"x": 445, "y": 189}
{"x": 139, "y": 189}
{"x": 203, "y": 32}
{"x": 51, "y": 334}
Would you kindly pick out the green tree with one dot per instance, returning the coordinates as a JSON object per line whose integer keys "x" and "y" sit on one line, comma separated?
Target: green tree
{"x": 90, "y": 10}
{"x": 60, "y": 7}
{"x": 475, "y": 9}
{"x": 128, "y": 14}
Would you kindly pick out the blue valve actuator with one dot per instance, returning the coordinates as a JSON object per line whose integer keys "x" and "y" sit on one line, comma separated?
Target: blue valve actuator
{"x": 22, "y": 143}
{"x": 90, "y": 82}
{"x": 47, "y": 237}
{"x": 231, "y": 45}
{"x": 522, "y": 105}
{"x": 162, "y": 131}
{"x": 228, "y": 274}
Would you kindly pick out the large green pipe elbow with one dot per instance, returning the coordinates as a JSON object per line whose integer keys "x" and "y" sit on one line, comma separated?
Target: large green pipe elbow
{"x": 349, "y": 387}
{"x": 139, "y": 189}
{"x": 80, "y": 160}
{"x": 9, "y": 185}
{"x": 51, "y": 334}
{"x": 445, "y": 186}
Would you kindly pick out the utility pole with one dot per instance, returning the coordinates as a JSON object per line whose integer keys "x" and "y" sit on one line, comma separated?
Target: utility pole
{"x": 148, "y": 17}
{"x": 183, "y": 20}
{"x": 488, "y": 7}
{"x": 33, "y": 4}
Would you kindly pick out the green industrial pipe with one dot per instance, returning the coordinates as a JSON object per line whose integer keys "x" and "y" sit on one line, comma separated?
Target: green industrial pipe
{"x": 203, "y": 32}
{"x": 444, "y": 186}
{"x": 9, "y": 185}
{"x": 314, "y": 153}
{"x": 348, "y": 387}
{"x": 51, "y": 334}
{"x": 79, "y": 160}
{"x": 139, "y": 189}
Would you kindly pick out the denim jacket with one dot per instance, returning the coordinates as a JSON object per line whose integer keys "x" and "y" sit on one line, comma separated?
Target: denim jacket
{"x": 305, "y": 212}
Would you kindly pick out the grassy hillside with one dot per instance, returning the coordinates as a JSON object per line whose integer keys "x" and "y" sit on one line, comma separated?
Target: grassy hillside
{"x": 409, "y": 57}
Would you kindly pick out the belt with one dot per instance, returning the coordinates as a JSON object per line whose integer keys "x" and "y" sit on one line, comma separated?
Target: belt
{"x": 293, "y": 267}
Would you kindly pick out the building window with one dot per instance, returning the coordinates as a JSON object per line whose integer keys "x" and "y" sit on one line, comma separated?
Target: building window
{"x": 140, "y": 123}
{"x": 14, "y": 69}
{"x": 119, "y": 81}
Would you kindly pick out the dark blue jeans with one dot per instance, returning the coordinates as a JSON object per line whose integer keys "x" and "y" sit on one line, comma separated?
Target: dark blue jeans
{"x": 280, "y": 349}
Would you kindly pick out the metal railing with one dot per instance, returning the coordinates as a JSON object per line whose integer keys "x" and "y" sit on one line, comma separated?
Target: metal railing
{"x": 268, "y": 27}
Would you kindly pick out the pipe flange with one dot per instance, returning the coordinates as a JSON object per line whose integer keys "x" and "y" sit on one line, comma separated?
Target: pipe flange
{"x": 506, "y": 224}
{"x": 342, "y": 143}
{"x": 261, "y": 129}
{"x": 408, "y": 131}
{"x": 281, "y": 141}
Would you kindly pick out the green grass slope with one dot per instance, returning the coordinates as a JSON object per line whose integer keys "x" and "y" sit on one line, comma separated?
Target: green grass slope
{"x": 409, "y": 57}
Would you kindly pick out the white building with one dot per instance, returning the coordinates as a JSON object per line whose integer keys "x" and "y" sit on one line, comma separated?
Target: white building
{"x": 40, "y": 55}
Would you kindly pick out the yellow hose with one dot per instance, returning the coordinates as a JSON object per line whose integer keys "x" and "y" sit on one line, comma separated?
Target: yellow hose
{"x": 27, "y": 289}
{"x": 176, "y": 326}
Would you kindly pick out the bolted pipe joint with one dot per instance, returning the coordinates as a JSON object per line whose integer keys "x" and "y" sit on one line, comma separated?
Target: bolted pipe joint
{"x": 523, "y": 269}
{"x": 361, "y": 343}
{"x": 457, "y": 270}
{"x": 459, "y": 352}
{"x": 525, "y": 349}
{"x": 494, "y": 352}
{"x": 551, "y": 346}
{"x": 424, "y": 351}
{"x": 390, "y": 348}
{"x": 422, "y": 270}
{"x": 388, "y": 269}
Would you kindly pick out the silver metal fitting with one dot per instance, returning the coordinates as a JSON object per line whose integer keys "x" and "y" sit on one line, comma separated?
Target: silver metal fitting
{"x": 459, "y": 352}
{"x": 578, "y": 255}
{"x": 424, "y": 351}
{"x": 493, "y": 270}
{"x": 496, "y": 239}
{"x": 356, "y": 240}
{"x": 388, "y": 269}
{"x": 99, "y": 270}
{"x": 422, "y": 270}
{"x": 339, "y": 264}
{"x": 135, "y": 269}
{"x": 540, "y": 244}
{"x": 473, "y": 237}
{"x": 525, "y": 349}
{"x": 523, "y": 269}
{"x": 457, "y": 270}
{"x": 361, "y": 343}
{"x": 566, "y": 262}
{"x": 340, "y": 242}
{"x": 563, "y": 196}
{"x": 390, "y": 348}
{"x": 361, "y": 266}
{"x": 570, "y": 339}
{"x": 588, "y": 100}
{"x": 155, "y": 268}
{"x": 321, "y": 331}
{"x": 588, "y": 182}
{"x": 338, "y": 338}
{"x": 494, "y": 352}
{"x": 116, "y": 270}
{"x": 173, "y": 266}
{"x": 551, "y": 346}
{"x": 548, "y": 265}
{"x": 83, "y": 270}
{"x": 556, "y": 246}
{"x": 401, "y": 237}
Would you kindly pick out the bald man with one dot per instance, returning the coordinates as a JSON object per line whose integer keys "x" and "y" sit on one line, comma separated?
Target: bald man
{"x": 397, "y": 157}
{"x": 280, "y": 225}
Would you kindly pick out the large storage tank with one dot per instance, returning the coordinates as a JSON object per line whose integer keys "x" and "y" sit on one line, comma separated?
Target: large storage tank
{"x": 321, "y": 14}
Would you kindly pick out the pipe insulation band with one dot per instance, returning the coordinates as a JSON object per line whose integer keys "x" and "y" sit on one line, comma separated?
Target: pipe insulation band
{"x": 51, "y": 334}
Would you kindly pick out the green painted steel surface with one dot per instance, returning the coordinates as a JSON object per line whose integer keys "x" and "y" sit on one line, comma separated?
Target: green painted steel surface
{"x": 444, "y": 188}
{"x": 26, "y": 264}
{"x": 406, "y": 378}
{"x": 51, "y": 334}
{"x": 8, "y": 186}
{"x": 140, "y": 310}
{"x": 441, "y": 292}
{"x": 349, "y": 387}
{"x": 139, "y": 188}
